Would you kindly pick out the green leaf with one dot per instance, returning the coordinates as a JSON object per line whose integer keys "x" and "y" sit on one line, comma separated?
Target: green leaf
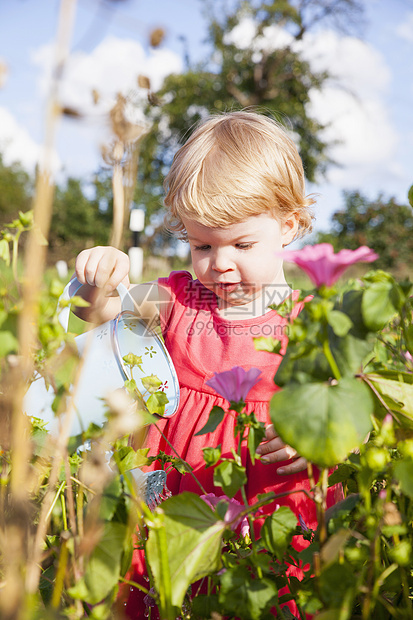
{"x": 111, "y": 497}
{"x": 351, "y": 352}
{"x": 203, "y": 606}
{"x": 8, "y": 343}
{"x": 337, "y": 582}
{"x": 26, "y": 219}
{"x": 396, "y": 393}
{"x": 151, "y": 383}
{"x": 340, "y": 322}
{"x": 103, "y": 568}
{"x": 403, "y": 472}
{"x": 302, "y": 364}
{"x": 378, "y": 305}
{"x": 230, "y": 476}
{"x": 211, "y": 456}
{"x": 156, "y": 403}
{"x": 5, "y": 251}
{"x": 246, "y": 597}
{"x": 270, "y": 344}
{"x": 192, "y": 543}
{"x": 133, "y": 360}
{"x": 216, "y": 416}
{"x": 323, "y": 422}
{"x": 410, "y": 196}
{"x": 126, "y": 458}
{"x": 278, "y": 530}
{"x": 256, "y": 434}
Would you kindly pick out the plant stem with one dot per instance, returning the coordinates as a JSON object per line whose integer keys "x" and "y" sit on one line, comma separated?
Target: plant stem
{"x": 15, "y": 254}
{"x": 134, "y": 584}
{"x": 165, "y": 591}
{"x": 64, "y": 516}
{"x": 321, "y": 506}
{"x": 59, "y": 490}
{"x": 279, "y": 611}
{"x": 179, "y": 457}
{"x": 330, "y": 358}
{"x": 60, "y": 574}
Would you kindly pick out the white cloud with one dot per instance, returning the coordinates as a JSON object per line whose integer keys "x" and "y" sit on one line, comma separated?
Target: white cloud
{"x": 354, "y": 63}
{"x": 113, "y": 66}
{"x": 16, "y": 145}
{"x": 405, "y": 29}
{"x": 352, "y": 103}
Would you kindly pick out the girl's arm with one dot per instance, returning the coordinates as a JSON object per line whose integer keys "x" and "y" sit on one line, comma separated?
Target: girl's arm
{"x": 100, "y": 270}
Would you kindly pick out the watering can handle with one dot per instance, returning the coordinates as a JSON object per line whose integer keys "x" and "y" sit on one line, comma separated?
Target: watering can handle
{"x": 72, "y": 288}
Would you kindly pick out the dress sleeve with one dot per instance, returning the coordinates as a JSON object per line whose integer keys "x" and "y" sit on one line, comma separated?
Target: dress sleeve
{"x": 172, "y": 290}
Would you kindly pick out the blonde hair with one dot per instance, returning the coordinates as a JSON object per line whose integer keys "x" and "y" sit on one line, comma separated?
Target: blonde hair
{"x": 234, "y": 166}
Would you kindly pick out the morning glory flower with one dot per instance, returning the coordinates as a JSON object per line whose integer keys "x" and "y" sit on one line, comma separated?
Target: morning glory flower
{"x": 234, "y": 384}
{"x": 323, "y": 266}
{"x": 233, "y": 510}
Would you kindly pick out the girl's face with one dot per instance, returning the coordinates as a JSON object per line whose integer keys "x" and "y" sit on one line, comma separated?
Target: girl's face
{"x": 239, "y": 263}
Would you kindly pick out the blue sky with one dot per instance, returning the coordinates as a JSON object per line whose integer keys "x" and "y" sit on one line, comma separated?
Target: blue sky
{"x": 369, "y": 103}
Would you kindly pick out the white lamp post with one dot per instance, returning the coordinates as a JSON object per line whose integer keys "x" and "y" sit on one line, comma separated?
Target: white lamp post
{"x": 136, "y": 225}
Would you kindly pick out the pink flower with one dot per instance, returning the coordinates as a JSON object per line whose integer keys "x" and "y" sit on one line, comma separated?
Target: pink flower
{"x": 231, "y": 515}
{"x": 323, "y": 266}
{"x": 234, "y": 384}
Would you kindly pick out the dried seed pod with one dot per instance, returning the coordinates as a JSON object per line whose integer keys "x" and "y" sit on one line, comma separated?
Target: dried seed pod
{"x": 124, "y": 126}
{"x": 3, "y": 73}
{"x": 71, "y": 112}
{"x": 95, "y": 96}
{"x": 144, "y": 82}
{"x": 392, "y": 515}
{"x": 156, "y": 37}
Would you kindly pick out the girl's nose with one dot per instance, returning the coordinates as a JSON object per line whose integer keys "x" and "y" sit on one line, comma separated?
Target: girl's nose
{"x": 222, "y": 262}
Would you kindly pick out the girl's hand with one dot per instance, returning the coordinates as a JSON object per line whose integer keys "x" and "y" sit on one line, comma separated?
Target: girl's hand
{"x": 100, "y": 270}
{"x": 103, "y": 267}
{"x": 273, "y": 450}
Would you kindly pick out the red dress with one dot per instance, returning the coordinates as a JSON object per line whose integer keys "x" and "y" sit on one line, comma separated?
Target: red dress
{"x": 200, "y": 343}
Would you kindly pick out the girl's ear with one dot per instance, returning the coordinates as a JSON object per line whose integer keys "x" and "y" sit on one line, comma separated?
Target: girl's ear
{"x": 289, "y": 228}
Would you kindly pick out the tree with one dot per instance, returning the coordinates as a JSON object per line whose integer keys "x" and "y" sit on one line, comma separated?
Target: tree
{"x": 383, "y": 225}
{"x": 16, "y": 189}
{"x": 261, "y": 73}
{"x": 78, "y": 221}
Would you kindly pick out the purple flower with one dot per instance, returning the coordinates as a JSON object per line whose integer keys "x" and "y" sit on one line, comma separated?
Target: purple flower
{"x": 231, "y": 515}
{"x": 323, "y": 266}
{"x": 303, "y": 524}
{"x": 234, "y": 384}
{"x": 149, "y": 599}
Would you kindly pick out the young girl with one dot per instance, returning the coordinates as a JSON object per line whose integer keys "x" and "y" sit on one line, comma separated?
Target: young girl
{"x": 235, "y": 191}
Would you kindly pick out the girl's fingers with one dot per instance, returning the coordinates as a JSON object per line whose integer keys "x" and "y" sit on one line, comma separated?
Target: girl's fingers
{"x": 103, "y": 267}
{"x": 299, "y": 464}
{"x": 282, "y": 454}
{"x": 270, "y": 432}
{"x": 112, "y": 268}
{"x": 273, "y": 445}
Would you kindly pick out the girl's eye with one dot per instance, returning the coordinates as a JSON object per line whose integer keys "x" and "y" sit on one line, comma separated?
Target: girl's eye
{"x": 202, "y": 248}
{"x": 244, "y": 246}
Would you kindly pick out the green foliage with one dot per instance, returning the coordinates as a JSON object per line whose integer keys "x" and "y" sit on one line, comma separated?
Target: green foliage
{"x": 347, "y": 371}
{"x": 278, "y": 530}
{"x": 78, "y": 221}
{"x": 16, "y": 190}
{"x": 191, "y": 548}
{"x": 323, "y": 422}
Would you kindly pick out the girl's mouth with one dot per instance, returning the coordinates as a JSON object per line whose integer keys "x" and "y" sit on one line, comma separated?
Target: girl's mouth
{"x": 228, "y": 287}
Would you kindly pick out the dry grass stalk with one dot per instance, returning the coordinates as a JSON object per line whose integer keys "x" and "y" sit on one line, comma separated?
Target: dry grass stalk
{"x": 18, "y": 531}
{"x": 123, "y": 156}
